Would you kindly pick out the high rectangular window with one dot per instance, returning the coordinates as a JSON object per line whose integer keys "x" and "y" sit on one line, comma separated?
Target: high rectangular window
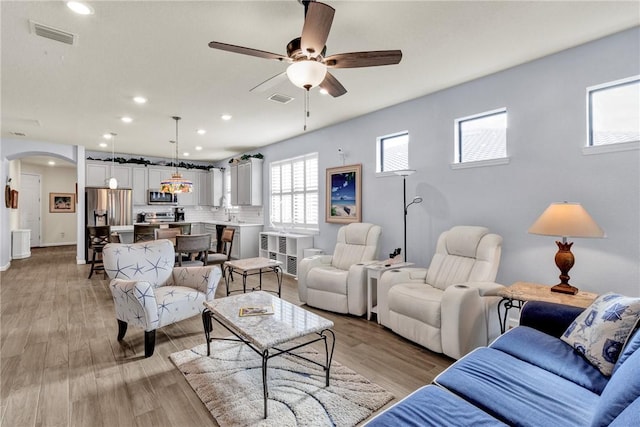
{"x": 613, "y": 111}
{"x": 294, "y": 192}
{"x": 481, "y": 137}
{"x": 392, "y": 152}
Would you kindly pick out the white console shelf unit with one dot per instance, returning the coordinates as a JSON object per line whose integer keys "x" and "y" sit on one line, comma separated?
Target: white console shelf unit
{"x": 285, "y": 247}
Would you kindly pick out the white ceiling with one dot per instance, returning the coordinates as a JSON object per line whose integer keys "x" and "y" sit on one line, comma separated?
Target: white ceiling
{"x": 74, "y": 94}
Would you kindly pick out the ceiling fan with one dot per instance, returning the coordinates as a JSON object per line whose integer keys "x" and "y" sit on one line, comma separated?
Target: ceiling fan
{"x": 306, "y": 54}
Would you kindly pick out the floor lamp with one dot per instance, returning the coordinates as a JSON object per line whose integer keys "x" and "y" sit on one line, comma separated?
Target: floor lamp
{"x": 417, "y": 199}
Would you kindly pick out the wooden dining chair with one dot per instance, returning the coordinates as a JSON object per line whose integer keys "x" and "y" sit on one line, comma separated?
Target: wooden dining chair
{"x": 98, "y": 237}
{"x": 144, "y": 233}
{"x": 227, "y": 245}
{"x": 186, "y": 227}
{"x": 192, "y": 244}
{"x": 167, "y": 233}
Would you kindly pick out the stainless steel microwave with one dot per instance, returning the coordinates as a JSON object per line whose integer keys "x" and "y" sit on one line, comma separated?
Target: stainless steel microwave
{"x": 156, "y": 197}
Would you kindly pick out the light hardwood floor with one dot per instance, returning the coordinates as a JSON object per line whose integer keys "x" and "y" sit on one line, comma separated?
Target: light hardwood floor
{"x": 62, "y": 364}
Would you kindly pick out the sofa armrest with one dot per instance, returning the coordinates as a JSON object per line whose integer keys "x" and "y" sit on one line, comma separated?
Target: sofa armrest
{"x": 306, "y": 264}
{"x": 391, "y": 278}
{"x": 202, "y": 279}
{"x": 469, "y": 317}
{"x": 548, "y": 317}
{"x": 135, "y": 303}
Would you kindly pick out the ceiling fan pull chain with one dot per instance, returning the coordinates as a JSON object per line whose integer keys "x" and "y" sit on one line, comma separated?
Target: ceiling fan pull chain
{"x": 306, "y": 108}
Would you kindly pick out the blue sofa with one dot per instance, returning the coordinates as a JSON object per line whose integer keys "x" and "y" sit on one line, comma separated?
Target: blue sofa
{"x": 527, "y": 377}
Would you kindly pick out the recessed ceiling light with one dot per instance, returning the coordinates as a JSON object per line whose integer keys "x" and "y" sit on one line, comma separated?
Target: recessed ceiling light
{"x": 139, "y": 99}
{"x": 107, "y": 136}
{"x": 198, "y": 148}
{"x": 186, "y": 154}
{"x": 126, "y": 119}
{"x": 80, "y": 8}
{"x": 51, "y": 163}
{"x": 201, "y": 131}
{"x": 226, "y": 117}
{"x": 103, "y": 144}
{"x": 324, "y": 91}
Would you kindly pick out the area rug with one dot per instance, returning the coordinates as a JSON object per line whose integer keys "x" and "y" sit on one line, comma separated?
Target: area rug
{"x": 229, "y": 383}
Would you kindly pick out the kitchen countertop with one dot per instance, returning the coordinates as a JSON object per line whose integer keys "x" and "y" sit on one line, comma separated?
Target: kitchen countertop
{"x": 126, "y": 228}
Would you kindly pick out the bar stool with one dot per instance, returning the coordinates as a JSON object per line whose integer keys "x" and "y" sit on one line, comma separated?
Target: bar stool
{"x": 99, "y": 236}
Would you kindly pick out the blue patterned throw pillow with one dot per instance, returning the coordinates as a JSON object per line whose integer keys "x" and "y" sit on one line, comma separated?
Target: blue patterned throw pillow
{"x": 601, "y": 330}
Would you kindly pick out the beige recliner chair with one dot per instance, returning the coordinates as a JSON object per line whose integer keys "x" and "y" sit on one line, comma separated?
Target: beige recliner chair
{"x": 450, "y": 307}
{"x": 338, "y": 282}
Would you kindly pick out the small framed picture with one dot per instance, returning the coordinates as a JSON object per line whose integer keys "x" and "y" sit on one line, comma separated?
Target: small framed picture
{"x": 62, "y": 203}
{"x": 344, "y": 194}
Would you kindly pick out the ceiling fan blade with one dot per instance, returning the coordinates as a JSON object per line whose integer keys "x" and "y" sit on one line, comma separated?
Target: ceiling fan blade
{"x": 315, "y": 31}
{"x": 364, "y": 59}
{"x": 247, "y": 51}
{"x": 271, "y": 82}
{"x": 333, "y": 86}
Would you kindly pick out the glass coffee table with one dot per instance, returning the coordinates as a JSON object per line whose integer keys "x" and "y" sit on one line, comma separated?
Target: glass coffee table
{"x": 269, "y": 335}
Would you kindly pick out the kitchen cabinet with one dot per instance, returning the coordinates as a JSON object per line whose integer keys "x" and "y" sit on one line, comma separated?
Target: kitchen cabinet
{"x": 98, "y": 173}
{"x": 140, "y": 185}
{"x": 286, "y": 248}
{"x": 157, "y": 174}
{"x": 189, "y": 199}
{"x": 204, "y": 189}
{"x": 245, "y": 241}
{"x": 217, "y": 179}
{"x": 246, "y": 183}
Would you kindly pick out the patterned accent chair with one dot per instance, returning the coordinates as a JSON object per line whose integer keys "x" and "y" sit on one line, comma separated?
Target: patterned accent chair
{"x": 338, "y": 282}
{"x": 149, "y": 292}
{"x": 451, "y": 307}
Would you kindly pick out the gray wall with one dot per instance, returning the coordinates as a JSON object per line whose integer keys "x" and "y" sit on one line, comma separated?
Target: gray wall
{"x": 545, "y": 100}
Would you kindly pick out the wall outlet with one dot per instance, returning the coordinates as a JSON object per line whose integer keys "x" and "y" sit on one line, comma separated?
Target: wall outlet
{"x": 62, "y": 234}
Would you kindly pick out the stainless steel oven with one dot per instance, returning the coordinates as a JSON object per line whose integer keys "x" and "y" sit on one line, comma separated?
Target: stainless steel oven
{"x": 156, "y": 197}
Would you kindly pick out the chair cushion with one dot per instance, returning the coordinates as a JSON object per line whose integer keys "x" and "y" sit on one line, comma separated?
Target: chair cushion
{"x": 600, "y": 331}
{"x": 633, "y": 344}
{"x": 518, "y": 392}
{"x": 176, "y": 303}
{"x": 328, "y": 279}
{"x": 623, "y": 388}
{"x": 432, "y": 406}
{"x": 418, "y": 301}
{"x": 463, "y": 240}
{"x": 629, "y": 417}
{"x": 544, "y": 351}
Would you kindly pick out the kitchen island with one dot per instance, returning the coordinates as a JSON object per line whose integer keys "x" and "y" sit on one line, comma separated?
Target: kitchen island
{"x": 245, "y": 239}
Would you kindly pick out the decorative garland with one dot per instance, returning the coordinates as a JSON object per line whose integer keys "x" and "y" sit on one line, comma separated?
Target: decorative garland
{"x": 142, "y": 161}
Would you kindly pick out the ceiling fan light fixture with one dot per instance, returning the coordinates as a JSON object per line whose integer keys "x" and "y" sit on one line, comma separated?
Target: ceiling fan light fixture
{"x": 307, "y": 74}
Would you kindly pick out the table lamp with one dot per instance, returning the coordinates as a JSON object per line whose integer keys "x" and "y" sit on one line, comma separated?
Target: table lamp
{"x": 565, "y": 220}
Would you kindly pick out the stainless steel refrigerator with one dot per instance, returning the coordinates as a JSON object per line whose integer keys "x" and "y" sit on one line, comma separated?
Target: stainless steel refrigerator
{"x": 105, "y": 206}
{"x": 108, "y": 207}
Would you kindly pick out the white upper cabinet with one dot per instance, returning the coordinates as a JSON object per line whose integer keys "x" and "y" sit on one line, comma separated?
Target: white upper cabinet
{"x": 97, "y": 174}
{"x": 204, "y": 188}
{"x": 140, "y": 184}
{"x": 217, "y": 179}
{"x": 246, "y": 183}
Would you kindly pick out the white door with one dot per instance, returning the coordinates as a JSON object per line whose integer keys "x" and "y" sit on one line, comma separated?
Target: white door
{"x": 30, "y": 206}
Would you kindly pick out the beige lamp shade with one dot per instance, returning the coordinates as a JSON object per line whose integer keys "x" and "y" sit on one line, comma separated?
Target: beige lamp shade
{"x": 566, "y": 220}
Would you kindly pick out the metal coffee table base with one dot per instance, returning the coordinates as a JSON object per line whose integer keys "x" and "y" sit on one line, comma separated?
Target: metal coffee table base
{"x": 266, "y": 354}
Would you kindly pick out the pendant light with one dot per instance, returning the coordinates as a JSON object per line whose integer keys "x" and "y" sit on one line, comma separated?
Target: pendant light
{"x": 176, "y": 184}
{"x": 113, "y": 182}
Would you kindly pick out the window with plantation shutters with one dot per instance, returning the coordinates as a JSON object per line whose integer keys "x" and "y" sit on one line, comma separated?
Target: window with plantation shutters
{"x": 294, "y": 193}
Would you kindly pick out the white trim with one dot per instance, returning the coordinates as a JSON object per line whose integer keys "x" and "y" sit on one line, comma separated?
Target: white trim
{"x": 456, "y": 132}
{"x": 611, "y": 148}
{"x": 481, "y": 163}
{"x": 589, "y": 149}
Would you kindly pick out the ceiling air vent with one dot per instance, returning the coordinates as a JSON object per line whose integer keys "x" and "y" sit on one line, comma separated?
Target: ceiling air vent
{"x": 282, "y": 99}
{"x": 52, "y": 33}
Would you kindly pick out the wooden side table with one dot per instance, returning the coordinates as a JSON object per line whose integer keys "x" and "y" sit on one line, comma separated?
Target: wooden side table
{"x": 374, "y": 273}
{"x": 516, "y": 295}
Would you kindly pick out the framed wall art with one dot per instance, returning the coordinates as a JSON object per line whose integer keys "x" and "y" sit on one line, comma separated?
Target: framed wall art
{"x": 344, "y": 194}
{"x": 62, "y": 203}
